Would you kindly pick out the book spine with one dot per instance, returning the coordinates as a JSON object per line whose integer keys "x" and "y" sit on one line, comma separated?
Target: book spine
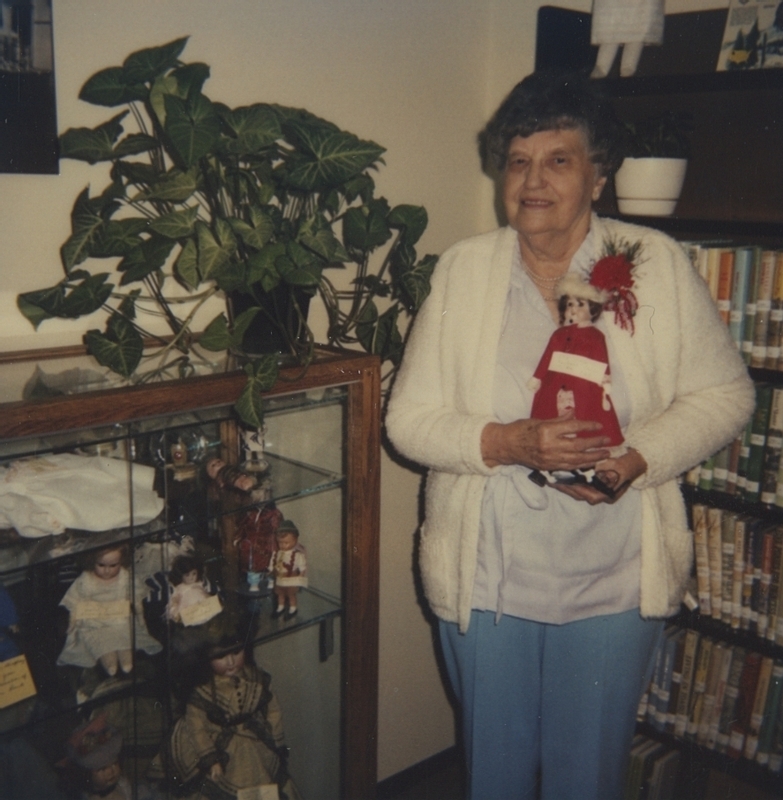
{"x": 729, "y": 710}
{"x": 765, "y": 581}
{"x": 711, "y": 692}
{"x": 772, "y": 449}
{"x": 758, "y": 441}
{"x": 701, "y": 554}
{"x": 774, "y": 588}
{"x": 743, "y": 262}
{"x": 747, "y": 695}
{"x": 738, "y": 572}
{"x": 686, "y": 683}
{"x": 770, "y": 714}
{"x": 775, "y": 329}
{"x": 725, "y": 283}
{"x": 766, "y": 281}
{"x": 714, "y": 548}
{"x": 749, "y": 324}
{"x": 728, "y": 524}
{"x": 696, "y": 704}
{"x": 757, "y": 713}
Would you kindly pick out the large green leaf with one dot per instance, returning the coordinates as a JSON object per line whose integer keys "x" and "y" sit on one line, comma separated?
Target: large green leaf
{"x": 192, "y": 126}
{"x": 415, "y": 282}
{"x": 379, "y": 335}
{"x": 261, "y": 377}
{"x": 92, "y": 144}
{"x": 317, "y": 235}
{"x": 326, "y": 158}
{"x": 148, "y": 257}
{"x": 412, "y": 219}
{"x": 87, "y": 221}
{"x": 190, "y": 78}
{"x": 109, "y": 87}
{"x": 262, "y": 267}
{"x": 162, "y": 86}
{"x": 68, "y": 299}
{"x": 145, "y": 65}
{"x": 365, "y": 227}
{"x": 173, "y": 187}
{"x": 216, "y": 336}
{"x": 118, "y": 237}
{"x": 256, "y": 235}
{"x": 186, "y": 265}
{"x": 255, "y": 127}
{"x": 133, "y": 144}
{"x": 212, "y": 255}
{"x": 299, "y": 267}
{"x": 176, "y": 224}
{"x": 120, "y": 348}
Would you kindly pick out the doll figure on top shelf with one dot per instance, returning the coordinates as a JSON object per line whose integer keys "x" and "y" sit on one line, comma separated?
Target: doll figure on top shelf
{"x": 100, "y": 615}
{"x": 189, "y": 602}
{"x": 256, "y": 542}
{"x": 253, "y": 447}
{"x": 630, "y": 24}
{"x": 230, "y": 739}
{"x": 232, "y": 478}
{"x": 572, "y": 377}
{"x": 289, "y": 567}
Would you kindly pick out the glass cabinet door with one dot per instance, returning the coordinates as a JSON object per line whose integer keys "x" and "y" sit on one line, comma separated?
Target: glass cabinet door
{"x": 172, "y": 610}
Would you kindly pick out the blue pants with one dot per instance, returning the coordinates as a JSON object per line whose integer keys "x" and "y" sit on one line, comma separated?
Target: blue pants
{"x": 554, "y": 704}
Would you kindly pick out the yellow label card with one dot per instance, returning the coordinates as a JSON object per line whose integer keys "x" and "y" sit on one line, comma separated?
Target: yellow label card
{"x": 16, "y": 682}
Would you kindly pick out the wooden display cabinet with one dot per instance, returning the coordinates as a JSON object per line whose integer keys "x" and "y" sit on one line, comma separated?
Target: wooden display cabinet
{"x": 322, "y": 439}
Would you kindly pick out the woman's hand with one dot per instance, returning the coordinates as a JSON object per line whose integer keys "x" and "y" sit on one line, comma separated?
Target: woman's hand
{"x": 543, "y": 444}
{"x": 616, "y": 473}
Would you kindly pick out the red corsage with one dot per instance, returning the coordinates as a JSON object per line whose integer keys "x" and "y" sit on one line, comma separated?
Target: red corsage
{"x": 613, "y": 275}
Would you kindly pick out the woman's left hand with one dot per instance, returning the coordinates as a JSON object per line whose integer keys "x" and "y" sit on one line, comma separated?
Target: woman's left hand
{"x": 617, "y": 473}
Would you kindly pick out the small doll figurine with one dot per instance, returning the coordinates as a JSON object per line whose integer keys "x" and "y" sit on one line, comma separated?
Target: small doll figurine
{"x": 256, "y": 542}
{"x": 94, "y": 748}
{"x": 227, "y": 476}
{"x": 289, "y": 566}
{"x": 100, "y": 620}
{"x": 573, "y": 374}
{"x": 253, "y": 445}
{"x": 230, "y": 738}
{"x": 630, "y": 24}
{"x": 187, "y": 577}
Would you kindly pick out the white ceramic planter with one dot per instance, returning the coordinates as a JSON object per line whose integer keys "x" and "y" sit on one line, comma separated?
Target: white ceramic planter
{"x": 649, "y": 186}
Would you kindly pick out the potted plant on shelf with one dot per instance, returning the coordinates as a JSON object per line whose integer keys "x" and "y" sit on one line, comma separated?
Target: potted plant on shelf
{"x": 251, "y": 203}
{"x": 651, "y": 176}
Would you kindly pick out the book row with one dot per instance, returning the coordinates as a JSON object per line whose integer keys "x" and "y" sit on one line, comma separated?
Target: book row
{"x": 652, "y": 770}
{"x": 724, "y": 697}
{"x": 747, "y": 286}
{"x": 750, "y": 466}
{"x": 739, "y": 570}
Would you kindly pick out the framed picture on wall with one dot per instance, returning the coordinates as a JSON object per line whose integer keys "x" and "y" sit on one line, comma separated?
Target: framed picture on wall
{"x": 28, "y": 119}
{"x": 753, "y": 38}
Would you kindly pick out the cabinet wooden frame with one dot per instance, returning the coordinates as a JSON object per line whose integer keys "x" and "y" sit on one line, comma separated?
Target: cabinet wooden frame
{"x": 359, "y": 374}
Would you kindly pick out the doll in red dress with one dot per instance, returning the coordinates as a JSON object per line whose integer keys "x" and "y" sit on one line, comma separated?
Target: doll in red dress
{"x": 573, "y": 374}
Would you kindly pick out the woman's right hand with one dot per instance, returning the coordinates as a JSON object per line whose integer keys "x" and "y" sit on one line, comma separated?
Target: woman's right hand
{"x": 543, "y": 444}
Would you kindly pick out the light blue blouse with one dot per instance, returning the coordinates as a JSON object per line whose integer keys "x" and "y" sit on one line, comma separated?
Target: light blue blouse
{"x": 542, "y": 555}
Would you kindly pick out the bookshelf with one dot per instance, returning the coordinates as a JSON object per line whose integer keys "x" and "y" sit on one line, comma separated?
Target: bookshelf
{"x": 734, "y": 192}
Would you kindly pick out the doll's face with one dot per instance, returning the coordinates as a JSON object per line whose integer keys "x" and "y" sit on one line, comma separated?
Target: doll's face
{"x": 189, "y": 578}
{"x": 214, "y": 465}
{"x": 565, "y": 402}
{"x": 230, "y": 664}
{"x": 105, "y": 777}
{"x": 577, "y": 311}
{"x": 286, "y": 541}
{"x": 107, "y": 565}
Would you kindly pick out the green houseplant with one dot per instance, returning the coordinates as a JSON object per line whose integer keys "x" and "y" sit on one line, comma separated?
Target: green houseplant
{"x": 254, "y": 202}
{"x": 652, "y": 174}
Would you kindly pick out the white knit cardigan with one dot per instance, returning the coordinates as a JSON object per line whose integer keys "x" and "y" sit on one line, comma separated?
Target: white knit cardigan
{"x": 689, "y": 391}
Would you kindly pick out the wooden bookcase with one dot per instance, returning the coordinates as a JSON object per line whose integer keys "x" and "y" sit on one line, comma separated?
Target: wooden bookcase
{"x": 733, "y": 191}
{"x": 323, "y": 442}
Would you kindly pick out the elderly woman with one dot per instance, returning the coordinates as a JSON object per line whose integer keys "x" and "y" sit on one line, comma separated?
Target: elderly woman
{"x": 551, "y": 599}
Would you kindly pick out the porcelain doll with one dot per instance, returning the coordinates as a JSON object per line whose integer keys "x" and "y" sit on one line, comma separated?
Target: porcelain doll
{"x": 230, "y": 738}
{"x": 187, "y": 577}
{"x": 573, "y": 375}
{"x": 289, "y": 567}
{"x": 100, "y": 621}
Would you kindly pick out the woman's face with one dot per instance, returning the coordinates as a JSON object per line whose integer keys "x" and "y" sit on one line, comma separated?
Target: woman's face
{"x": 550, "y": 183}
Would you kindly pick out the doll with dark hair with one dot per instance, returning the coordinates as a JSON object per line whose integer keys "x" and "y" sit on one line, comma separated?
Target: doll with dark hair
{"x": 289, "y": 565}
{"x": 187, "y": 577}
{"x": 100, "y": 615}
{"x": 572, "y": 379}
{"x": 231, "y": 735}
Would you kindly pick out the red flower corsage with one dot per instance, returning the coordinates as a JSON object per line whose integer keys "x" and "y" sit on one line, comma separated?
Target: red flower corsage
{"x": 613, "y": 275}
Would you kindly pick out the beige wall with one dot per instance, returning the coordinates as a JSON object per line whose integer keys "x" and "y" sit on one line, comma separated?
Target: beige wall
{"x": 419, "y": 77}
